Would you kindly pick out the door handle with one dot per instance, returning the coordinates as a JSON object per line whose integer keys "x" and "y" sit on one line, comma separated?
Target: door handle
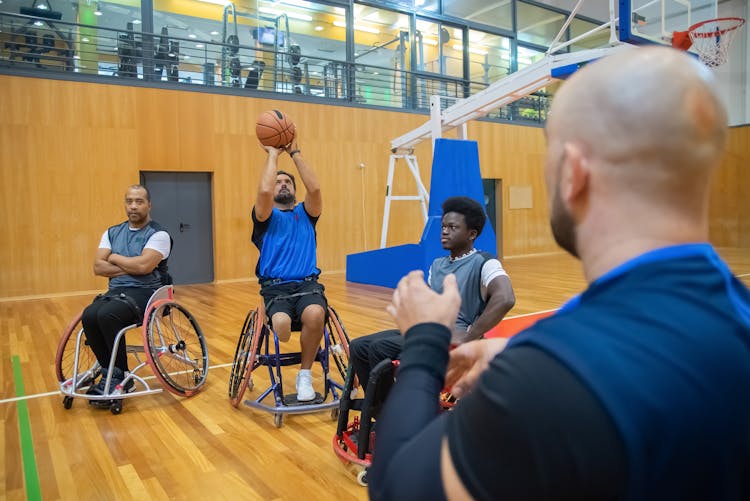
{"x": 184, "y": 226}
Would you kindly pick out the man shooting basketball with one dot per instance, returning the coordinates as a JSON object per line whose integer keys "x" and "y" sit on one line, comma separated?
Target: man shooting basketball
{"x": 639, "y": 388}
{"x": 284, "y": 233}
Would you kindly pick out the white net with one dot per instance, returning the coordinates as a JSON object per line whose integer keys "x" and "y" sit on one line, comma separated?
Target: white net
{"x": 712, "y": 39}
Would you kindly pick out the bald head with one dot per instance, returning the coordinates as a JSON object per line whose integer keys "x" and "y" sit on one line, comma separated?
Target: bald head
{"x": 632, "y": 140}
{"x": 648, "y": 106}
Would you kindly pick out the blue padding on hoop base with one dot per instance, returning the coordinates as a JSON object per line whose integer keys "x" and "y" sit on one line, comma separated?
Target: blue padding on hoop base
{"x": 563, "y": 72}
{"x": 455, "y": 172}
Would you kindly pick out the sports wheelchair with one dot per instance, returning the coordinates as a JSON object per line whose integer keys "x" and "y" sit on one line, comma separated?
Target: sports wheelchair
{"x": 354, "y": 440}
{"x": 259, "y": 345}
{"x": 173, "y": 345}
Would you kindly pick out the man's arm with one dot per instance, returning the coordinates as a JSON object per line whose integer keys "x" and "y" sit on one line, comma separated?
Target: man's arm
{"x": 313, "y": 198}
{"x": 137, "y": 265}
{"x": 103, "y": 268}
{"x": 500, "y": 300}
{"x": 264, "y": 199}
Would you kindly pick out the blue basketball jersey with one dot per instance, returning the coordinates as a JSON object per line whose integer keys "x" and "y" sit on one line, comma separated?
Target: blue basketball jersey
{"x": 287, "y": 244}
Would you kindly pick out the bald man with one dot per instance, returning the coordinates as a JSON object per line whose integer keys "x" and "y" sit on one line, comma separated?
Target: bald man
{"x": 639, "y": 388}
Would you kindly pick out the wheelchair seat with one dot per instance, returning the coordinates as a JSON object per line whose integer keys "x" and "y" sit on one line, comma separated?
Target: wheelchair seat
{"x": 172, "y": 343}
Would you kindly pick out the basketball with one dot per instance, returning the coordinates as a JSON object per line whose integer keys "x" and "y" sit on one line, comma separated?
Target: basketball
{"x": 274, "y": 128}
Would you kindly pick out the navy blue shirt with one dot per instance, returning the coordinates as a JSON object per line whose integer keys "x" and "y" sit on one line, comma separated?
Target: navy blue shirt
{"x": 663, "y": 342}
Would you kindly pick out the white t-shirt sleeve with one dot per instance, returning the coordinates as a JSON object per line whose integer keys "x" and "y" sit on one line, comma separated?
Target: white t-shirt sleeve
{"x": 159, "y": 242}
{"x": 104, "y": 243}
{"x": 491, "y": 269}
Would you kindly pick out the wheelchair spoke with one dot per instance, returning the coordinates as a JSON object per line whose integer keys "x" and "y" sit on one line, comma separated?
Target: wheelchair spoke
{"x": 177, "y": 348}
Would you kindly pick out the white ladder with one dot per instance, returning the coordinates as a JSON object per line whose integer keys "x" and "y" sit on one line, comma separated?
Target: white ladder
{"x": 422, "y": 195}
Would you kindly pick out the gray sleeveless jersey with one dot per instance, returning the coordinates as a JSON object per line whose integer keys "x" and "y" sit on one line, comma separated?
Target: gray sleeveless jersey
{"x": 131, "y": 243}
{"x": 468, "y": 273}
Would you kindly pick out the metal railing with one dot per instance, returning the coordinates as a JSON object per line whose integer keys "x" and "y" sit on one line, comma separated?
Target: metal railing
{"x": 36, "y": 44}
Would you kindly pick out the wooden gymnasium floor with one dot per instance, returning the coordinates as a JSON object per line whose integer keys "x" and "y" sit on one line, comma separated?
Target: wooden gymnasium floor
{"x": 165, "y": 447}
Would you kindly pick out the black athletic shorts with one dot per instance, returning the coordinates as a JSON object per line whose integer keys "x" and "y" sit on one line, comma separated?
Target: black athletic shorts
{"x": 276, "y": 299}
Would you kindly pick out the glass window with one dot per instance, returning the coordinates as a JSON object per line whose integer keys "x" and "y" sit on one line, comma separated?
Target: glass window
{"x": 599, "y": 39}
{"x": 439, "y": 50}
{"x": 291, "y": 46}
{"x": 489, "y": 57}
{"x": 410, "y": 5}
{"x": 537, "y": 25}
{"x": 52, "y": 40}
{"x": 381, "y": 50}
{"x": 527, "y": 56}
{"x": 498, "y": 14}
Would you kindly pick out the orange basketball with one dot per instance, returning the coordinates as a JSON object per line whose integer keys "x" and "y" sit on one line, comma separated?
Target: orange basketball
{"x": 274, "y": 128}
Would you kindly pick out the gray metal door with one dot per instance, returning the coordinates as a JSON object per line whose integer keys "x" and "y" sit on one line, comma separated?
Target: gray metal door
{"x": 181, "y": 202}
{"x": 493, "y": 203}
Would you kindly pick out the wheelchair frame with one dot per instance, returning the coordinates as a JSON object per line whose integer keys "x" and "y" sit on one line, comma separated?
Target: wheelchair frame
{"x": 255, "y": 349}
{"x": 354, "y": 441}
{"x": 156, "y": 349}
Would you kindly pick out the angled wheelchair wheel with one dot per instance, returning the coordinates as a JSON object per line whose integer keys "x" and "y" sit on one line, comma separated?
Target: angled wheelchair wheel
{"x": 339, "y": 346}
{"x": 66, "y": 352}
{"x": 240, "y": 379}
{"x": 175, "y": 348}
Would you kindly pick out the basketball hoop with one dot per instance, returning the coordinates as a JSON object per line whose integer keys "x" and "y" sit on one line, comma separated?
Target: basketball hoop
{"x": 711, "y": 39}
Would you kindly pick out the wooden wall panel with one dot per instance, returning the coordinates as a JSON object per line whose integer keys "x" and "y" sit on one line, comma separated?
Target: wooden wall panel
{"x": 68, "y": 150}
{"x": 516, "y": 155}
{"x": 730, "y": 203}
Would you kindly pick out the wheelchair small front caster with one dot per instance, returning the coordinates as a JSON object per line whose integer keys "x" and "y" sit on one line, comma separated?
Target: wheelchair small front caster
{"x": 362, "y": 478}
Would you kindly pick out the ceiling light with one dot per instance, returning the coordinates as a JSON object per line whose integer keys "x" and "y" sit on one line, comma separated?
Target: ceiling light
{"x": 192, "y": 35}
{"x": 38, "y": 23}
{"x": 290, "y": 15}
{"x": 76, "y": 57}
{"x": 136, "y": 21}
{"x": 358, "y": 27}
{"x": 41, "y": 6}
{"x": 199, "y": 46}
{"x": 84, "y": 39}
{"x": 98, "y": 11}
{"x": 318, "y": 28}
{"x": 430, "y": 41}
{"x": 214, "y": 32}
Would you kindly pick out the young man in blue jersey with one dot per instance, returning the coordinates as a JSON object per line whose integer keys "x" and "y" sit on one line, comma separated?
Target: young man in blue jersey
{"x": 287, "y": 271}
{"x": 133, "y": 255}
{"x": 639, "y": 388}
{"x": 486, "y": 291}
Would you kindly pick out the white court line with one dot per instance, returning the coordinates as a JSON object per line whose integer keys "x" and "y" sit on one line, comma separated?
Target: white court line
{"x": 743, "y": 275}
{"x": 53, "y": 393}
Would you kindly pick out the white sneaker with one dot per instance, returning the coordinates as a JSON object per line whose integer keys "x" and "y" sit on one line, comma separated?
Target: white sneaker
{"x": 305, "y": 391}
